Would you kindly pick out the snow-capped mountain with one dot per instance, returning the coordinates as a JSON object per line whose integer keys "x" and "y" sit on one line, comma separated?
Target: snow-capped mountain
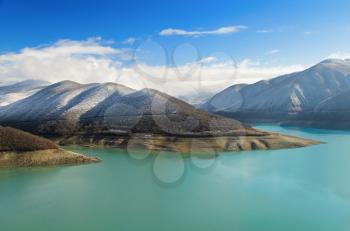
{"x": 67, "y": 107}
{"x": 285, "y": 97}
{"x": 61, "y": 103}
{"x": 12, "y": 92}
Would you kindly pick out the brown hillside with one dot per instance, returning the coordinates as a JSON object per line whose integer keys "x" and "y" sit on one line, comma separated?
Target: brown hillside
{"x": 13, "y": 140}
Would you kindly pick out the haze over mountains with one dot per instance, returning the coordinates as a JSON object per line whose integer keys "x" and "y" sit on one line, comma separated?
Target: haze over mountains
{"x": 311, "y": 97}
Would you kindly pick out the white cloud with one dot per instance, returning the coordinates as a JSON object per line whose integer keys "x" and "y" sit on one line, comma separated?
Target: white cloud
{"x": 339, "y": 55}
{"x": 129, "y": 41}
{"x": 90, "y": 61}
{"x": 83, "y": 61}
{"x": 209, "y": 59}
{"x": 264, "y": 31}
{"x": 272, "y": 52}
{"x": 219, "y": 31}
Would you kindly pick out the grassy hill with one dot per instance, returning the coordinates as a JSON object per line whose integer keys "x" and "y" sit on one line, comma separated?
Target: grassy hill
{"x": 18, "y": 141}
{"x": 22, "y": 149}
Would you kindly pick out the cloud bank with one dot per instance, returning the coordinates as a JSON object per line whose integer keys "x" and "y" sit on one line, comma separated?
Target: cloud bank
{"x": 92, "y": 61}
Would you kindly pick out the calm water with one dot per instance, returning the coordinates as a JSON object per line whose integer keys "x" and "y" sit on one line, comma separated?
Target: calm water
{"x": 300, "y": 189}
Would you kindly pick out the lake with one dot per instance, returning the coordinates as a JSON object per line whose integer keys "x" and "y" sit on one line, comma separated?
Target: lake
{"x": 296, "y": 189}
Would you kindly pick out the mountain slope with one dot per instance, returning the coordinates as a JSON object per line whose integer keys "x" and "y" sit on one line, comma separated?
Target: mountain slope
{"x": 10, "y": 93}
{"x": 18, "y": 141}
{"x": 334, "y": 112}
{"x": 229, "y": 99}
{"x": 338, "y": 103}
{"x": 285, "y": 97}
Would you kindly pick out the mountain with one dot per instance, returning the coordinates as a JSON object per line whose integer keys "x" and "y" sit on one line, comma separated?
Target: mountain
{"x": 21, "y": 149}
{"x": 286, "y": 98}
{"x": 12, "y": 92}
{"x": 62, "y": 103}
{"x": 110, "y": 113}
{"x": 73, "y": 106}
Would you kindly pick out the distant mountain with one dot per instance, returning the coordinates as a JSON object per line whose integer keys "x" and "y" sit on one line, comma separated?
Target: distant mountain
{"x": 288, "y": 98}
{"x": 12, "y": 92}
{"x": 110, "y": 113}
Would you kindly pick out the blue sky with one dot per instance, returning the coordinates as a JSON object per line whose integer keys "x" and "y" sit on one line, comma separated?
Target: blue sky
{"x": 268, "y": 33}
{"x": 303, "y": 31}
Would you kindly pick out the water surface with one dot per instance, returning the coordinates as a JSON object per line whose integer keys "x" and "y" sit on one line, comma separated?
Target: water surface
{"x": 296, "y": 189}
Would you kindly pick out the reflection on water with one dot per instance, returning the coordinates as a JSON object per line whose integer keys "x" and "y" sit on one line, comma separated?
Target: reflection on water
{"x": 296, "y": 189}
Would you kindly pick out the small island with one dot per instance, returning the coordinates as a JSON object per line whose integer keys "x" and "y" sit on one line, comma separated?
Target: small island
{"x": 22, "y": 149}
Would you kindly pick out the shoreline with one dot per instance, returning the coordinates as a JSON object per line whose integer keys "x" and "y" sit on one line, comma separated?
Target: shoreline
{"x": 271, "y": 141}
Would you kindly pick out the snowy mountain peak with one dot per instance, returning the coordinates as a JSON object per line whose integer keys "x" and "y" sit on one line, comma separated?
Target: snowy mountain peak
{"x": 288, "y": 94}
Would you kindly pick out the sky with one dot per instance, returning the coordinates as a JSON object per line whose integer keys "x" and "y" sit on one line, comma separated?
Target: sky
{"x": 179, "y": 47}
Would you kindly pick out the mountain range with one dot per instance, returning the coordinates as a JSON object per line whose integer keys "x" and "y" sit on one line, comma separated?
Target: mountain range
{"x": 317, "y": 96}
{"x": 112, "y": 114}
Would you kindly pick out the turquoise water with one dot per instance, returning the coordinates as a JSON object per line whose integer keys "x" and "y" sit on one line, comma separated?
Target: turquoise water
{"x": 297, "y": 189}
